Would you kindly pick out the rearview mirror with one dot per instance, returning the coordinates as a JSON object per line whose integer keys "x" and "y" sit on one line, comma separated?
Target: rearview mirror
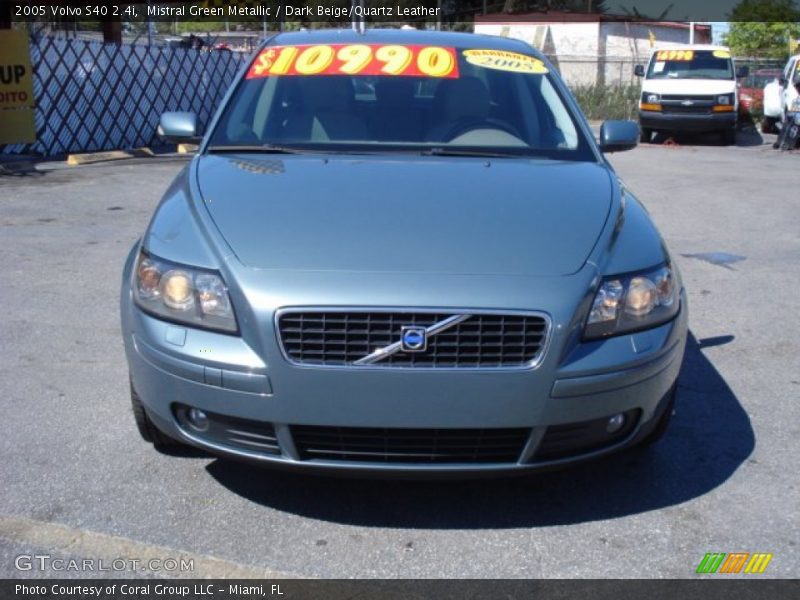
{"x": 638, "y": 70}
{"x": 178, "y": 127}
{"x": 742, "y": 72}
{"x": 618, "y": 136}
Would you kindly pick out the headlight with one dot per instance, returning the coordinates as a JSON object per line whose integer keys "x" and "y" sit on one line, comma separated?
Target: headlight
{"x": 650, "y": 101}
{"x": 725, "y": 99}
{"x": 188, "y": 295}
{"x": 633, "y": 302}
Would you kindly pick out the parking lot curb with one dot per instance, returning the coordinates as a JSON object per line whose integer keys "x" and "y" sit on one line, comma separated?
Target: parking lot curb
{"x": 94, "y": 157}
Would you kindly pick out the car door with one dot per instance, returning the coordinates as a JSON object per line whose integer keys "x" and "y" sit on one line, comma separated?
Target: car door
{"x": 794, "y": 82}
{"x": 788, "y": 88}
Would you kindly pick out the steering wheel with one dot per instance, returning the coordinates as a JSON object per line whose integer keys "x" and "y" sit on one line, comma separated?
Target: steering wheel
{"x": 462, "y": 126}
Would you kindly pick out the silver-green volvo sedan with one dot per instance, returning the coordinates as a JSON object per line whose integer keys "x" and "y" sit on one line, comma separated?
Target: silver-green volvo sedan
{"x": 401, "y": 252}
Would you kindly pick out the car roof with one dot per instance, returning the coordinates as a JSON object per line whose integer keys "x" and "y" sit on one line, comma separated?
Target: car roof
{"x": 403, "y": 36}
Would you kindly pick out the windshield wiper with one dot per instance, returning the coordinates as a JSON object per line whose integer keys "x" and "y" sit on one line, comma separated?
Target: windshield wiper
{"x": 261, "y": 149}
{"x": 439, "y": 151}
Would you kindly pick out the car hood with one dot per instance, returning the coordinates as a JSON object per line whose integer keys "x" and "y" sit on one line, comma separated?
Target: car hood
{"x": 689, "y": 87}
{"x": 407, "y": 214}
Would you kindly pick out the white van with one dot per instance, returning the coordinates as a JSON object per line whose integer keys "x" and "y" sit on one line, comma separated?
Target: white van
{"x": 689, "y": 88}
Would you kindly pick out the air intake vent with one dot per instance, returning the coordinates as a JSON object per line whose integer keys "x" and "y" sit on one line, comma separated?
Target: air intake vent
{"x": 243, "y": 434}
{"x": 453, "y": 446}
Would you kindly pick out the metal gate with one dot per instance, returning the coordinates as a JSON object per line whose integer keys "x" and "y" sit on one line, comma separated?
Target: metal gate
{"x": 94, "y": 96}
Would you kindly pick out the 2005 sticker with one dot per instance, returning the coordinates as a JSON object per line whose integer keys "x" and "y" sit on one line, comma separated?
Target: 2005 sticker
{"x": 355, "y": 59}
{"x": 505, "y": 61}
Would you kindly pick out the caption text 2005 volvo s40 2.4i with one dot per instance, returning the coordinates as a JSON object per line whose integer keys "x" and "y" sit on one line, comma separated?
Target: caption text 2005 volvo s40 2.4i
{"x": 401, "y": 251}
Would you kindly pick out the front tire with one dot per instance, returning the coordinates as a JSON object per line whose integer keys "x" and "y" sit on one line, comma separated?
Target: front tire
{"x": 768, "y": 124}
{"x": 729, "y": 137}
{"x": 147, "y": 429}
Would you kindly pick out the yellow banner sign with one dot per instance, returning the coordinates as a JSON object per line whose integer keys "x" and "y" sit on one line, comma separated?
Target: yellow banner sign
{"x": 505, "y": 61}
{"x": 16, "y": 89}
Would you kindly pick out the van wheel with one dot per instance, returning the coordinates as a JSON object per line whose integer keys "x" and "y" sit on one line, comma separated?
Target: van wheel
{"x": 645, "y": 135}
{"x": 729, "y": 137}
{"x": 147, "y": 429}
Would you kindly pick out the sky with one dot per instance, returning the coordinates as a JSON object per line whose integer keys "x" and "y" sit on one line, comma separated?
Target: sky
{"x": 718, "y": 29}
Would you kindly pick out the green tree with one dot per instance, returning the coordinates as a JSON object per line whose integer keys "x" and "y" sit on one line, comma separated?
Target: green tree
{"x": 763, "y": 28}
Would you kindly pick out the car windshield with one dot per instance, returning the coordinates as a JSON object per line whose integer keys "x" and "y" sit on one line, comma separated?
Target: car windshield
{"x": 691, "y": 64}
{"x": 400, "y": 98}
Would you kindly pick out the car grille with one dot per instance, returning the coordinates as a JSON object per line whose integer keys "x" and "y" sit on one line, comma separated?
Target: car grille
{"x": 675, "y": 104}
{"x": 679, "y": 109}
{"x": 681, "y": 98}
{"x": 409, "y": 445}
{"x": 478, "y": 341}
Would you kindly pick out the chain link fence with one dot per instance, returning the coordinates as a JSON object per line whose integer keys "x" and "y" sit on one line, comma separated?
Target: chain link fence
{"x": 92, "y": 96}
{"x": 593, "y": 70}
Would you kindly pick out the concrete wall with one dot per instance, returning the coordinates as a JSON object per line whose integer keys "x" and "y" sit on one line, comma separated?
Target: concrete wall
{"x": 594, "y": 52}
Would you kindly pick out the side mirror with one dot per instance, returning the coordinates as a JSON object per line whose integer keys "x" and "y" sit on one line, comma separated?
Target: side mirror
{"x": 638, "y": 70}
{"x": 618, "y": 136}
{"x": 178, "y": 127}
{"x": 742, "y": 72}
{"x": 782, "y": 81}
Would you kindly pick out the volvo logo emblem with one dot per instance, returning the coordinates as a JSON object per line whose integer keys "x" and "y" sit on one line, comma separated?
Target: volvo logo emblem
{"x": 413, "y": 338}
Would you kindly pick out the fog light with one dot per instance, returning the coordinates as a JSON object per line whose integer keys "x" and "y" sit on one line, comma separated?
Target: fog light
{"x": 614, "y": 424}
{"x": 198, "y": 419}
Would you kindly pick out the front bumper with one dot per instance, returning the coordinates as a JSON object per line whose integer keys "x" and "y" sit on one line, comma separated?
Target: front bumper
{"x": 692, "y": 122}
{"x": 270, "y": 401}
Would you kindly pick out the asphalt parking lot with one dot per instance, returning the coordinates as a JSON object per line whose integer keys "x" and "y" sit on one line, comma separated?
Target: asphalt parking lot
{"x": 77, "y": 481}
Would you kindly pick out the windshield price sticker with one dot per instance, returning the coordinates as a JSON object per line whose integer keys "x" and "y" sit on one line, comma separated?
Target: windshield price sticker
{"x": 356, "y": 59}
{"x": 721, "y": 54}
{"x": 675, "y": 55}
{"x": 505, "y": 61}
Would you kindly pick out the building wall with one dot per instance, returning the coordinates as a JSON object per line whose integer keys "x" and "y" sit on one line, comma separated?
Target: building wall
{"x": 632, "y": 40}
{"x": 594, "y": 52}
